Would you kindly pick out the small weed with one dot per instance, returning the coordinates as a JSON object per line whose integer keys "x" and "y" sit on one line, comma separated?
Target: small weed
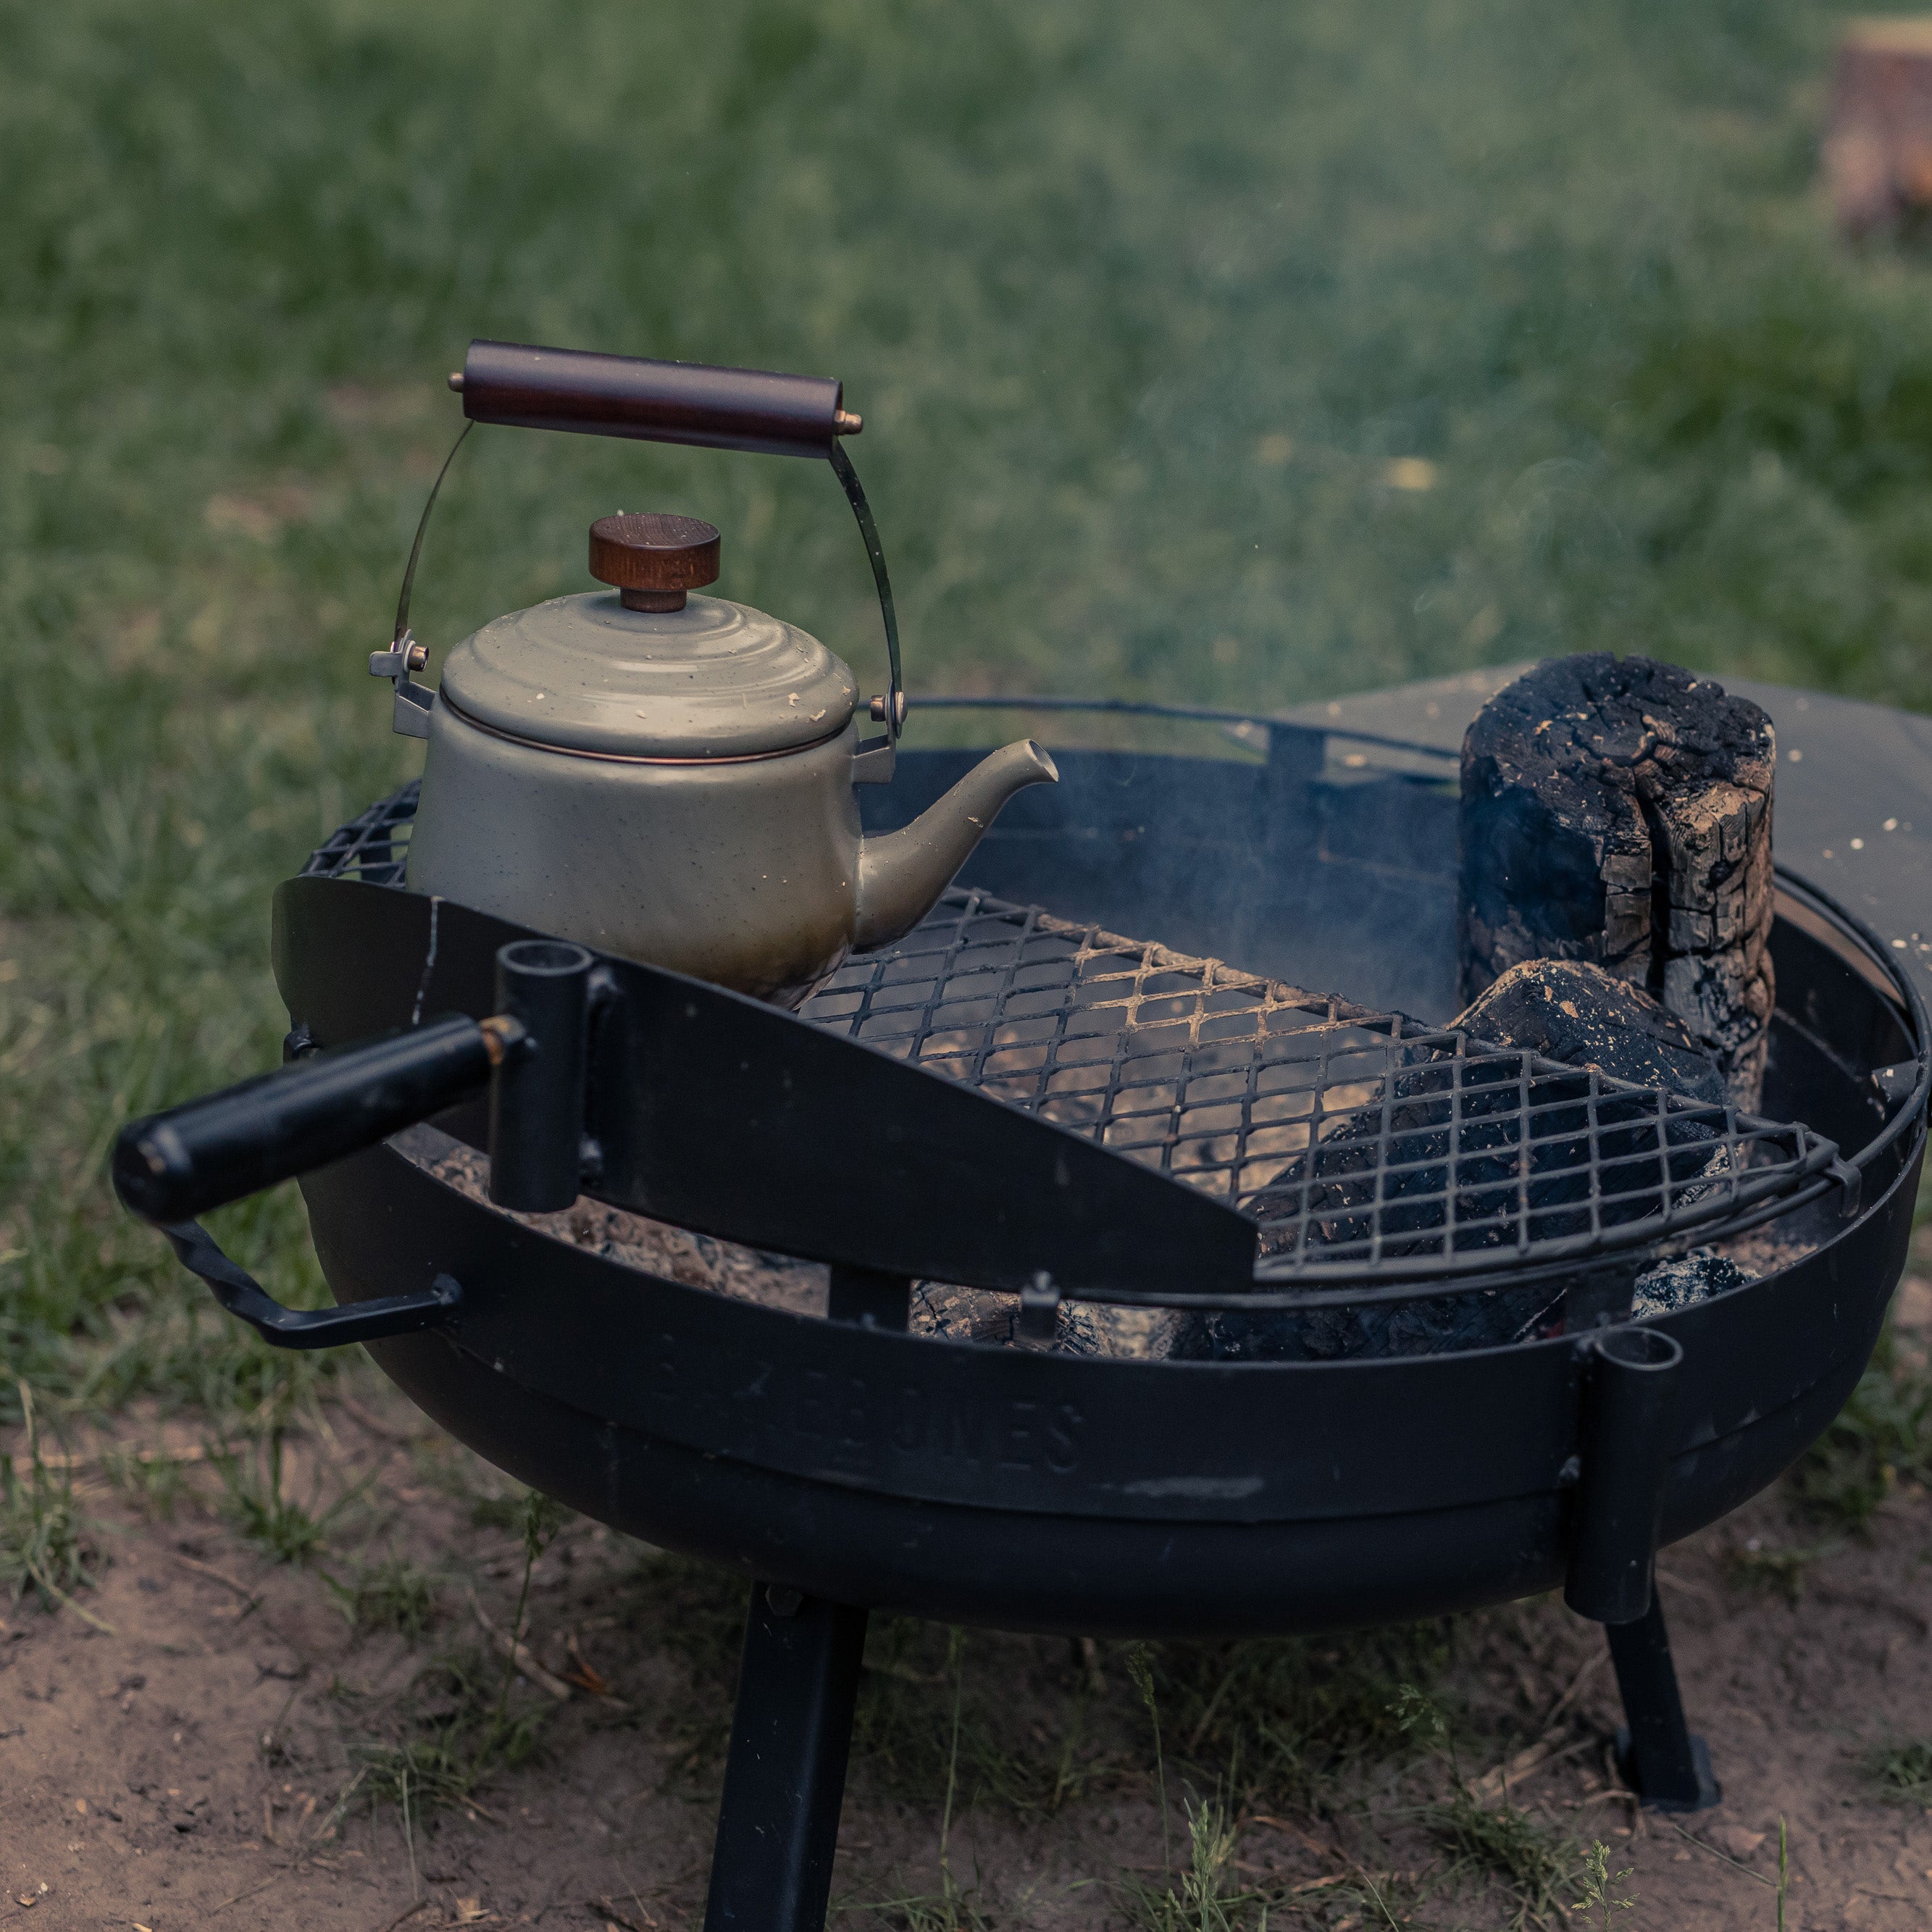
{"x": 155, "y": 1482}
{"x": 1295, "y": 1712}
{"x": 698, "y": 1612}
{"x": 928, "y": 1912}
{"x": 1902, "y": 1772}
{"x": 43, "y": 1542}
{"x": 952, "y": 1908}
{"x": 1779, "y": 1570}
{"x": 255, "y": 1500}
{"x": 542, "y": 1518}
{"x": 461, "y": 1735}
{"x": 1203, "y": 1901}
{"x": 1882, "y": 1434}
{"x": 1599, "y": 1884}
{"x": 1141, "y": 1673}
{"x": 1026, "y": 1760}
{"x": 497, "y": 1513}
{"x": 397, "y": 1596}
{"x": 1534, "y": 1866}
{"x": 951, "y": 1897}
{"x": 1494, "y": 1842}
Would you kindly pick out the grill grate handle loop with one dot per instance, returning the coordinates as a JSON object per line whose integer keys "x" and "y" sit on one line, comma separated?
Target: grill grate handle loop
{"x": 244, "y": 1297}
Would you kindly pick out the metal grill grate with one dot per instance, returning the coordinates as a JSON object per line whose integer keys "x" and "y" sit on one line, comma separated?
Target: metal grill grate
{"x": 1362, "y": 1143}
{"x": 372, "y": 848}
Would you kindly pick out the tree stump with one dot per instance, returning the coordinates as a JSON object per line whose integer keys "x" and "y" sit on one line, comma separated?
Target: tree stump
{"x": 1618, "y": 811}
{"x": 1878, "y": 154}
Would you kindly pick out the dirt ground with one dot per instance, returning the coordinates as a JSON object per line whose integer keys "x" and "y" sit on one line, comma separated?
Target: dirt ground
{"x": 203, "y": 1754}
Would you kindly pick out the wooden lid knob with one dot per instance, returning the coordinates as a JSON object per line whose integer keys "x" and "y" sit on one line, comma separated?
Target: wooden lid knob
{"x": 653, "y": 558}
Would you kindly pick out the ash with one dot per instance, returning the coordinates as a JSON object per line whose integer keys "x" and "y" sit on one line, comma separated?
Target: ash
{"x": 780, "y": 1281}
{"x": 1081, "y": 1328}
{"x": 1447, "y": 1324}
{"x": 651, "y": 1247}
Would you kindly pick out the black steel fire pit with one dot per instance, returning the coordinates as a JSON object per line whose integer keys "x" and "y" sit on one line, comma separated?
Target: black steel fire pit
{"x": 1014, "y": 1098}
{"x": 1431, "y": 1248}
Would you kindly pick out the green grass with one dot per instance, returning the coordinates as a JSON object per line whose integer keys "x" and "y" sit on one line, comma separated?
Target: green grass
{"x": 938, "y": 1711}
{"x": 256, "y": 1499}
{"x": 396, "y": 1595}
{"x": 1313, "y": 349}
{"x": 1139, "y": 322}
{"x": 1538, "y": 1869}
{"x": 1601, "y": 1884}
{"x": 1884, "y": 1434}
{"x": 45, "y": 1543}
{"x": 1498, "y": 1847}
{"x": 454, "y": 1727}
{"x": 1774, "y": 1568}
{"x": 450, "y": 1732}
{"x": 1902, "y": 1772}
{"x": 1202, "y": 1896}
{"x": 1292, "y": 1714}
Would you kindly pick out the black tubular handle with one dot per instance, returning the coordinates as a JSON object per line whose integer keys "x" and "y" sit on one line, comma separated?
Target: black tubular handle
{"x": 595, "y": 395}
{"x": 1632, "y": 1375}
{"x": 172, "y": 1166}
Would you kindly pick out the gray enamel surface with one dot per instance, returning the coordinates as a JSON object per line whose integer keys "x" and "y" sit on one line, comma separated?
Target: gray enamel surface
{"x": 714, "y": 680}
{"x": 753, "y": 873}
{"x": 745, "y": 874}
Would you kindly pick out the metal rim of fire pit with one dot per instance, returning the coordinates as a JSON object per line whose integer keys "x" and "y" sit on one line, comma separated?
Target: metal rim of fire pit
{"x": 1227, "y": 1081}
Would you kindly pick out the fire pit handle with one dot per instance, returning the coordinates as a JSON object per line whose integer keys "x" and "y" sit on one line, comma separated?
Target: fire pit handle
{"x": 172, "y": 1166}
{"x": 282, "y": 1327}
{"x": 530, "y": 1053}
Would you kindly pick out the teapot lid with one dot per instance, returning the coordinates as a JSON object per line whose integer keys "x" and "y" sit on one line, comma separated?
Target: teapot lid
{"x": 645, "y": 669}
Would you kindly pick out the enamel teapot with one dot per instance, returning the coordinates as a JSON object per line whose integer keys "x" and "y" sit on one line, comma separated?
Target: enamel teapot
{"x": 667, "y": 775}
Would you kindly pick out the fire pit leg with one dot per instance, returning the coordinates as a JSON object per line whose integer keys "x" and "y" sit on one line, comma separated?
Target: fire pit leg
{"x": 1630, "y": 1388}
{"x": 778, "y": 1827}
{"x": 1657, "y": 1756}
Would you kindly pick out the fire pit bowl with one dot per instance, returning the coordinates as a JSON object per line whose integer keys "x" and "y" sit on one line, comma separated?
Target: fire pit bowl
{"x": 1022, "y": 1488}
{"x": 840, "y": 1461}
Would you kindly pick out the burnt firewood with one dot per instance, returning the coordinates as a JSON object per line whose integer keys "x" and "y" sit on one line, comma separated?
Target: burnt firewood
{"x": 1617, "y": 812}
{"x": 1445, "y": 1153}
{"x": 1569, "y": 1010}
{"x": 1683, "y": 1281}
{"x": 1442, "y": 1325}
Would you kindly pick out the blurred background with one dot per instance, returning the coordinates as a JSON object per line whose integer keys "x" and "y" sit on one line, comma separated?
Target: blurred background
{"x": 1239, "y": 353}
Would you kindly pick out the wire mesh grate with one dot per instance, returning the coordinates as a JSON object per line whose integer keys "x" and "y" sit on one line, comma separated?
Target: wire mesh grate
{"x": 372, "y": 848}
{"x": 1359, "y": 1141}
{"x": 1362, "y": 1143}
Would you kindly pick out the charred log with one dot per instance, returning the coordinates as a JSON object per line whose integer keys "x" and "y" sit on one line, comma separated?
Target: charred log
{"x": 1569, "y": 1010}
{"x": 1617, "y": 812}
{"x": 1684, "y": 1281}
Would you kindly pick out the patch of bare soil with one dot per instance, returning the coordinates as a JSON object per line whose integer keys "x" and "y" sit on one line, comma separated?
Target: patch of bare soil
{"x": 254, "y": 1743}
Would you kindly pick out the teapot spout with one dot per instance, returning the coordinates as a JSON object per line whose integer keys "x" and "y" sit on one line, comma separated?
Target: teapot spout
{"x": 901, "y": 874}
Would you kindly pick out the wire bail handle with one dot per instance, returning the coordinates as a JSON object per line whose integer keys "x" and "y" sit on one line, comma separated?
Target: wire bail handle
{"x": 753, "y": 410}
